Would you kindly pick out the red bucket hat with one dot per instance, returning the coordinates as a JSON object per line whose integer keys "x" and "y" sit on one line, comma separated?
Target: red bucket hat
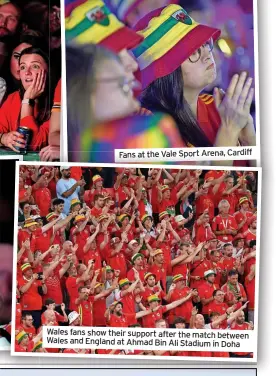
{"x": 88, "y": 21}
{"x": 170, "y": 37}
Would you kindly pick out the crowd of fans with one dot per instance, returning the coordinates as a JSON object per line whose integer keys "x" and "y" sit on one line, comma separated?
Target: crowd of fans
{"x": 127, "y": 247}
{"x": 30, "y": 71}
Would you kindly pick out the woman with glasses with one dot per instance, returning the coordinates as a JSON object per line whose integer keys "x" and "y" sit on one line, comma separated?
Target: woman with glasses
{"x": 101, "y": 108}
{"x": 176, "y": 64}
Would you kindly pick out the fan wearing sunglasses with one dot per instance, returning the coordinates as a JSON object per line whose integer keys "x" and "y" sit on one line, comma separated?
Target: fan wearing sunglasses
{"x": 176, "y": 65}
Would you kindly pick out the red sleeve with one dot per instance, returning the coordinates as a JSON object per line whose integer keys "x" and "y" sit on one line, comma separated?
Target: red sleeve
{"x": 214, "y": 224}
{"x": 234, "y": 224}
{"x": 59, "y": 317}
{"x": 173, "y": 195}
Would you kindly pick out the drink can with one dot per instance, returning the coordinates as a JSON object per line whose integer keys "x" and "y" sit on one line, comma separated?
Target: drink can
{"x": 27, "y": 133}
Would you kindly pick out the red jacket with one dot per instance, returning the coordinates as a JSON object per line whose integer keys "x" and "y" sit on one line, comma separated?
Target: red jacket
{"x": 9, "y": 115}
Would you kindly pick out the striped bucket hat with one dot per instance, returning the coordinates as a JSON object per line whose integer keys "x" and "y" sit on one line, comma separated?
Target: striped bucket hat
{"x": 90, "y": 21}
{"x": 170, "y": 37}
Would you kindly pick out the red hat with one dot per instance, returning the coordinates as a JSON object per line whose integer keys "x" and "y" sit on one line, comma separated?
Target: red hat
{"x": 252, "y": 219}
{"x": 92, "y": 22}
{"x": 171, "y": 36}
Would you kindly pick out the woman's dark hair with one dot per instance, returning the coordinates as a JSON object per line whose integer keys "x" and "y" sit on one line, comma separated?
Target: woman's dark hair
{"x": 45, "y": 100}
{"x": 166, "y": 95}
{"x": 35, "y": 41}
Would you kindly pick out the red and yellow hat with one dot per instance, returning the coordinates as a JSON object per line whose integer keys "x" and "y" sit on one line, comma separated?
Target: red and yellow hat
{"x": 157, "y": 252}
{"x": 75, "y": 202}
{"x": 122, "y": 217}
{"x": 51, "y": 216}
{"x": 165, "y": 188}
{"x": 98, "y": 284}
{"x": 30, "y": 222}
{"x": 243, "y": 200}
{"x": 124, "y": 282}
{"x": 147, "y": 275}
{"x": 37, "y": 346}
{"x": 153, "y": 298}
{"x": 163, "y": 214}
{"x": 177, "y": 278}
{"x": 90, "y": 21}
{"x": 79, "y": 218}
{"x": 145, "y": 217}
{"x": 96, "y": 178}
{"x": 170, "y": 37}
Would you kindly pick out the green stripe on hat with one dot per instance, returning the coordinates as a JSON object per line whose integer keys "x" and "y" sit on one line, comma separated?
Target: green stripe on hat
{"x": 154, "y": 37}
{"x": 83, "y": 26}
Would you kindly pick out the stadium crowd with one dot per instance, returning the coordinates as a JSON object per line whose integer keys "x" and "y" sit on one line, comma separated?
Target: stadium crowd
{"x": 127, "y": 247}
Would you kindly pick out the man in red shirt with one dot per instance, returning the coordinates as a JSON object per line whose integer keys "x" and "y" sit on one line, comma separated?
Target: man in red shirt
{"x": 31, "y": 287}
{"x": 42, "y": 195}
{"x": 243, "y": 215}
{"x": 138, "y": 261}
{"x": 122, "y": 191}
{"x": 27, "y": 325}
{"x": 228, "y": 262}
{"x": 227, "y": 191}
{"x": 99, "y": 203}
{"x": 234, "y": 291}
{"x": 180, "y": 290}
{"x": 127, "y": 294}
{"x": 240, "y": 324}
{"x": 85, "y": 301}
{"x": 115, "y": 257}
{"x": 250, "y": 292}
{"x": 206, "y": 289}
{"x": 224, "y": 225}
{"x": 157, "y": 311}
{"x": 203, "y": 230}
{"x": 250, "y": 234}
{"x": 116, "y": 318}
{"x": 80, "y": 233}
{"x": 151, "y": 288}
{"x": 74, "y": 281}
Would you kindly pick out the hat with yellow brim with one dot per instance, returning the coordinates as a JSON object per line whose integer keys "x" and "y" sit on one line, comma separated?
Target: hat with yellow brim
{"x": 171, "y": 37}
{"x": 124, "y": 282}
{"x": 37, "y": 346}
{"x": 153, "y": 298}
{"x": 20, "y": 336}
{"x": 88, "y": 21}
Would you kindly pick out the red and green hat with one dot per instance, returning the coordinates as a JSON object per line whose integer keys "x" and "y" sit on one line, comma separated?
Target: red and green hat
{"x": 26, "y": 266}
{"x": 145, "y": 217}
{"x": 90, "y": 21}
{"x": 243, "y": 199}
{"x": 123, "y": 282}
{"x": 74, "y": 202}
{"x": 147, "y": 275}
{"x": 122, "y": 217}
{"x": 153, "y": 298}
{"x": 37, "y": 346}
{"x": 51, "y": 216}
{"x": 134, "y": 257}
{"x": 20, "y": 336}
{"x": 170, "y": 37}
{"x": 178, "y": 277}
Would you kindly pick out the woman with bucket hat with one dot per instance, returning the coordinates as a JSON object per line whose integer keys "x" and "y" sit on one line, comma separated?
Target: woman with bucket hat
{"x": 176, "y": 64}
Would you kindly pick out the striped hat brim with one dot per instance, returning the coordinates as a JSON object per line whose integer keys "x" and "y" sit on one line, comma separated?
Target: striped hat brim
{"x": 82, "y": 28}
{"x": 168, "y": 43}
